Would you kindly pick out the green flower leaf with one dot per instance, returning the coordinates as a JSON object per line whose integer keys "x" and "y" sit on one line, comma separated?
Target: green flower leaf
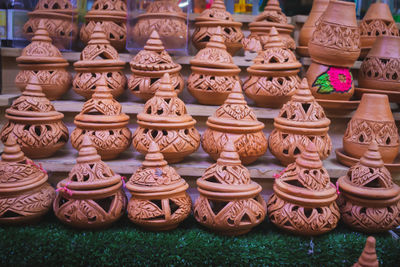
{"x": 323, "y": 83}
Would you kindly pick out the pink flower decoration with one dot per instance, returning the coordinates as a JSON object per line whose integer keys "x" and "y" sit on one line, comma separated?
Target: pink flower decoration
{"x": 340, "y": 78}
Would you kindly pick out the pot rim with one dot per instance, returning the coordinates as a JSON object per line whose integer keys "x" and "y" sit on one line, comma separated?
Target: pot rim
{"x": 159, "y": 15}
{"x": 226, "y": 191}
{"x": 101, "y": 189}
{"x": 215, "y": 23}
{"x": 37, "y": 66}
{"x": 215, "y": 72}
{"x": 98, "y": 64}
{"x": 234, "y": 126}
{"x": 83, "y": 125}
{"x": 39, "y": 117}
{"x": 156, "y": 73}
{"x": 29, "y": 184}
{"x": 158, "y": 191}
{"x": 219, "y": 66}
{"x": 272, "y": 72}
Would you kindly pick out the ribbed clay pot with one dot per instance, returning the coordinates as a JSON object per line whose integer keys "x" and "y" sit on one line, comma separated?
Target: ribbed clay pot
{"x": 159, "y": 199}
{"x": 230, "y": 203}
{"x": 303, "y": 202}
{"x": 368, "y": 256}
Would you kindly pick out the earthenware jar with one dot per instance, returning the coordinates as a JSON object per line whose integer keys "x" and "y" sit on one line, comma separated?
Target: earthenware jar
{"x": 149, "y": 65}
{"x": 43, "y": 59}
{"x": 159, "y": 199}
{"x": 25, "y": 195}
{"x": 102, "y": 120}
{"x": 230, "y": 203}
{"x": 37, "y": 127}
{"x": 236, "y": 122}
{"x": 273, "y": 77}
{"x": 99, "y": 59}
{"x": 262, "y": 24}
{"x": 304, "y": 198}
{"x": 373, "y": 120}
{"x": 92, "y": 196}
{"x": 213, "y": 72}
{"x": 165, "y": 121}
{"x": 368, "y": 257}
{"x": 112, "y": 17}
{"x": 336, "y": 40}
{"x": 300, "y": 121}
{"x": 207, "y": 24}
{"x": 369, "y": 201}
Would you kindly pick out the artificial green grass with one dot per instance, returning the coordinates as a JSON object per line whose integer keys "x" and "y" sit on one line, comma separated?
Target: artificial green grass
{"x": 53, "y": 244}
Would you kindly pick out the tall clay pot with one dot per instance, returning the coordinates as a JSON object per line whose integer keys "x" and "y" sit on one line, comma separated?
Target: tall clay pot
{"x": 368, "y": 256}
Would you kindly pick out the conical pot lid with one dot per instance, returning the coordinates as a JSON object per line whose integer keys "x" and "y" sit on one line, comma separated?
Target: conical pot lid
{"x": 217, "y": 12}
{"x": 380, "y": 11}
{"x": 272, "y": 15}
{"x": 386, "y": 47}
{"x": 381, "y": 108}
{"x": 368, "y": 257}
{"x": 106, "y": 9}
{"x": 55, "y": 6}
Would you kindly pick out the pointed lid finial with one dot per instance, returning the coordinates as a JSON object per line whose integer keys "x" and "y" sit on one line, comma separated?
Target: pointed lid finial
{"x": 154, "y": 43}
{"x": 303, "y": 93}
{"x": 87, "y": 152}
{"x": 102, "y": 91}
{"x": 217, "y": 40}
{"x": 274, "y": 40}
{"x": 309, "y": 158}
{"x": 153, "y": 157}
{"x": 12, "y": 151}
{"x": 33, "y": 87}
{"x": 229, "y": 155}
{"x": 272, "y": 5}
{"x": 98, "y": 36}
{"x": 218, "y": 4}
{"x": 166, "y": 89}
{"x": 236, "y": 96}
{"x": 368, "y": 256}
{"x": 41, "y": 33}
{"x": 372, "y": 158}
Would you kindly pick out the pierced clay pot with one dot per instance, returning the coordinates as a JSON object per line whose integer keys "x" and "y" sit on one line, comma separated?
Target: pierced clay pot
{"x": 37, "y": 127}
{"x": 99, "y": 59}
{"x": 230, "y": 202}
{"x": 159, "y": 200}
{"x": 304, "y": 198}
{"x": 207, "y": 23}
{"x": 25, "y": 195}
{"x": 149, "y": 65}
{"x": 301, "y": 121}
{"x": 273, "y": 76}
{"x": 213, "y": 72}
{"x": 368, "y": 257}
{"x": 235, "y": 122}
{"x": 165, "y": 121}
{"x": 102, "y": 120}
{"x": 92, "y": 196}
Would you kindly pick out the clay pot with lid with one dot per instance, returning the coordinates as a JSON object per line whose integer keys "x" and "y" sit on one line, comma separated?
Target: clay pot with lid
{"x": 230, "y": 203}
{"x": 37, "y": 127}
{"x": 25, "y": 195}
{"x": 368, "y": 256}
{"x": 92, "y": 196}
{"x": 213, "y": 72}
{"x": 99, "y": 59}
{"x": 165, "y": 121}
{"x": 102, "y": 120}
{"x": 159, "y": 199}
{"x": 207, "y": 23}
{"x": 273, "y": 77}
{"x": 303, "y": 202}
{"x": 369, "y": 201}
{"x": 149, "y": 65}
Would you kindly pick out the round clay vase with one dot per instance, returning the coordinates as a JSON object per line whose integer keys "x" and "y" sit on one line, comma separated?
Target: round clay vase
{"x": 235, "y": 122}
{"x": 373, "y": 120}
{"x": 300, "y": 121}
{"x": 273, "y": 77}
{"x": 165, "y": 121}
{"x": 149, "y": 65}
{"x": 25, "y": 195}
{"x": 368, "y": 256}
{"x": 159, "y": 199}
{"x": 102, "y": 120}
{"x": 37, "y": 127}
{"x": 336, "y": 39}
{"x": 303, "y": 201}
{"x": 99, "y": 59}
{"x": 207, "y": 23}
{"x": 213, "y": 72}
{"x": 369, "y": 201}
{"x": 230, "y": 203}
{"x": 92, "y": 196}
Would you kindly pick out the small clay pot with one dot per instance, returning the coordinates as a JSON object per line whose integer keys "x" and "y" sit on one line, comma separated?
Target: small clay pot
{"x": 368, "y": 256}
{"x": 159, "y": 200}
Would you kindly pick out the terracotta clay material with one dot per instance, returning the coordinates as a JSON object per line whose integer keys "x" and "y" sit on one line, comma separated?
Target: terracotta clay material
{"x": 304, "y": 198}
{"x": 230, "y": 202}
{"x": 99, "y": 59}
{"x": 25, "y": 195}
{"x": 368, "y": 256}
{"x": 394, "y": 96}
{"x": 165, "y": 121}
{"x": 159, "y": 200}
{"x": 273, "y": 77}
{"x": 92, "y": 196}
{"x": 149, "y": 65}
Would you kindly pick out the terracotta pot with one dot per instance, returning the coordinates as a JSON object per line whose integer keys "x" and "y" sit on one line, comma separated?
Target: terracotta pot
{"x": 25, "y": 195}
{"x": 373, "y": 120}
{"x": 236, "y": 122}
{"x": 92, "y": 196}
{"x": 230, "y": 203}
{"x": 336, "y": 40}
{"x": 213, "y": 72}
{"x": 304, "y": 198}
{"x": 36, "y": 125}
{"x": 149, "y": 65}
{"x": 44, "y": 60}
{"x": 159, "y": 199}
{"x": 207, "y": 23}
{"x": 99, "y": 59}
{"x": 165, "y": 121}
{"x": 301, "y": 121}
{"x": 273, "y": 76}
{"x": 368, "y": 256}
{"x": 102, "y": 120}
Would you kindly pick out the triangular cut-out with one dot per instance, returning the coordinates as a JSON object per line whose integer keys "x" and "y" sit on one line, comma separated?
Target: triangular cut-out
{"x": 217, "y": 206}
{"x": 173, "y": 207}
{"x": 105, "y": 203}
{"x": 10, "y": 214}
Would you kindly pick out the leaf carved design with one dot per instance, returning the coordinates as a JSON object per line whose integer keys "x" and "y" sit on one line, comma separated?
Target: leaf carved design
{"x": 380, "y": 69}
{"x": 378, "y": 27}
{"x": 146, "y": 85}
{"x": 271, "y": 86}
{"x": 84, "y": 83}
{"x": 211, "y": 83}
